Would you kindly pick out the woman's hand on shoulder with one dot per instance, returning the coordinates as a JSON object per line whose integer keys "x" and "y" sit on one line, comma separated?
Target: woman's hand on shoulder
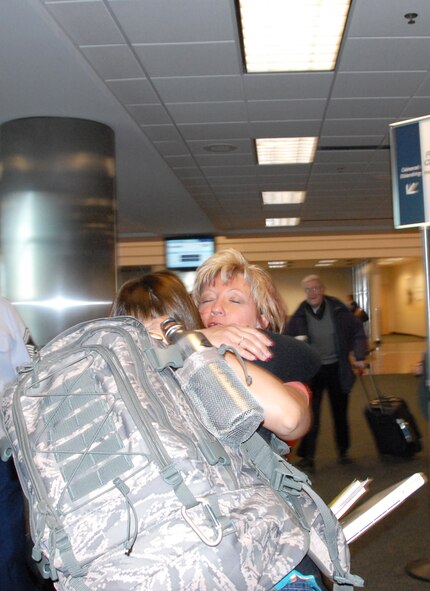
{"x": 250, "y": 343}
{"x": 153, "y": 325}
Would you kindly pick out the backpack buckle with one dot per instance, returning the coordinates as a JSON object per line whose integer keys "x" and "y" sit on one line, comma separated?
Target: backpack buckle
{"x": 212, "y": 518}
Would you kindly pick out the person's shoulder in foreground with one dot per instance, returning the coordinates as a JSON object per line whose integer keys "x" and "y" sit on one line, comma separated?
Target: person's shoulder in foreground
{"x": 292, "y": 359}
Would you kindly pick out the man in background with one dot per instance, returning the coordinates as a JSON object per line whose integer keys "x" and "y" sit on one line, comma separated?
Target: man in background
{"x": 14, "y": 572}
{"x": 328, "y": 326}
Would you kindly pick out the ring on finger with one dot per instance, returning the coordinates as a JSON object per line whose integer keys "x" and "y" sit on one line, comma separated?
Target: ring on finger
{"x": 241, "y": 341}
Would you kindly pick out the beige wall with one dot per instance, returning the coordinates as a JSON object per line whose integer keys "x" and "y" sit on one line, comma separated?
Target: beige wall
{"x": 290, "y": 248}
{"x": 403, "y": 299}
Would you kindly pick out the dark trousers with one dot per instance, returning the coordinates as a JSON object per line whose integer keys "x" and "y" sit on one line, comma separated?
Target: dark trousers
{"x": 327, "y": 379}
{"x": 14, "y": 574}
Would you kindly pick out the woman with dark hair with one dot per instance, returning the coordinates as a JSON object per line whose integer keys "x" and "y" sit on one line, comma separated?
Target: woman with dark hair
{"x": 157, "y": 296}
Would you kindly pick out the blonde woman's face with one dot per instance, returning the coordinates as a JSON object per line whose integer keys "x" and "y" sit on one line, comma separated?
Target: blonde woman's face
{"x": 230, "y": 303}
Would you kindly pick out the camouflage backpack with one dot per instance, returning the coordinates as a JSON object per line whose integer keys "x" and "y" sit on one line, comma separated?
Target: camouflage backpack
{"x": 128, "y": 488}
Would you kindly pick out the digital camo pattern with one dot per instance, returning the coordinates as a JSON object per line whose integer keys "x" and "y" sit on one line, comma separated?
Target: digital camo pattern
{"x": 90, "y": 463}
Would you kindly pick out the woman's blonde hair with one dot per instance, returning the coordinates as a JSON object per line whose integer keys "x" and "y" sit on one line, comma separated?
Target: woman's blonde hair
{"x": 227, "y": 264}
{"x": 161, "y": 293}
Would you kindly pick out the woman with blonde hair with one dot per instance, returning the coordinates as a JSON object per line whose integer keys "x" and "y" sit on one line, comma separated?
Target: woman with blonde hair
{"x": 240, "y": 306}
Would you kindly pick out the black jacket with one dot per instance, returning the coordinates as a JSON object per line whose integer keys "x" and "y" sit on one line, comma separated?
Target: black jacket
{"x": 349, "y": 335}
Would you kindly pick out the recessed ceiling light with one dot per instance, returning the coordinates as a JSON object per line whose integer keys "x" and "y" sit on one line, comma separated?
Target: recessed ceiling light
{"x": 272, "y": 222}
{"x": 298, "y": 35}
{"x": 220, "y": 148}
{"x": 290, "y": 150}
{"x": 283, "y": 197}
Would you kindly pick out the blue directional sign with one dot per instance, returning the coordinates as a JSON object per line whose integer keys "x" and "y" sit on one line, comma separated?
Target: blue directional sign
{"x": 410, "y": 170}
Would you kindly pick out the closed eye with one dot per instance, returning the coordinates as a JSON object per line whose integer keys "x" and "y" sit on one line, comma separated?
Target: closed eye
{"x": 206, "y": 300}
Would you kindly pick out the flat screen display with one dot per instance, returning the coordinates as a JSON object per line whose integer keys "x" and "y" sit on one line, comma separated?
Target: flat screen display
{"x": 188, "y": 253}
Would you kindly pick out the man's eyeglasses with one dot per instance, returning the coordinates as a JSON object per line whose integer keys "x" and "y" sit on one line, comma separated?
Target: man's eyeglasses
{"x": 313, "y": 289}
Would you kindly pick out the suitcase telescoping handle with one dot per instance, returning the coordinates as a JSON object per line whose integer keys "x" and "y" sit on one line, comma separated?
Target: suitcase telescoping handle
{"x": 364, "y": 387}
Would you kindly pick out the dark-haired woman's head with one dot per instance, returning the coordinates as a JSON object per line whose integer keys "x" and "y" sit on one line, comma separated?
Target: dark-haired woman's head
{"x": 154, "y": 295}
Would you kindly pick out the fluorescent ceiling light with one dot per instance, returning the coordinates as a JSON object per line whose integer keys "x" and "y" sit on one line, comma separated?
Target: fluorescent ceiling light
{"x": 272, "y": 222}
{"x": 293, "y": 35}
{"x": 328, "y": 261}
{"x": 283, "y": 197}
{"x": 286, "y": 150}
{"x": 277, "y": 264}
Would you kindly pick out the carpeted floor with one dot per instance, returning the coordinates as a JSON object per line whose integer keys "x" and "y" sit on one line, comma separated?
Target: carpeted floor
{"x": 381, "y": 554}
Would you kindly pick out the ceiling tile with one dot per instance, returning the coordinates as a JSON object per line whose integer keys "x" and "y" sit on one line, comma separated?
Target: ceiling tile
{"x": 376, "y": 84}
{"x": 134, "y": 91}
{"x": 352, "y": 127}
{"x": 381, "y": 19}
{"x": 199, "y": 88}
{"x": 214, "y": 132}
{"x": 167, "y": 21}
{"x": 213, "y": 112}
{"x": 87, "y": 22}
{"x": 189, "y": 59}
{"x": 287, "y": 85}
{"x": 363, "y": 108}
{"x": 149, "y": 114}
{"x": 286, "y": 110}
{"x": 113, "y": 61}
{"x": 385, "y": 54}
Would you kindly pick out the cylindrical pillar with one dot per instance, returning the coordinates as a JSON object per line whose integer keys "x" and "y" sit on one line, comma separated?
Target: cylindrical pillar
{"x": 57, "y": 206}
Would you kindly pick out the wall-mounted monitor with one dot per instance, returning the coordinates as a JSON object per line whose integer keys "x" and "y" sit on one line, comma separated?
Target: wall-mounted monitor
{"x": 188, "y": 253}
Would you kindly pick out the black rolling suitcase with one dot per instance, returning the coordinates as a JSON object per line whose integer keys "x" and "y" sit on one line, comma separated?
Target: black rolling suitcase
{"x": 391, "y": 422}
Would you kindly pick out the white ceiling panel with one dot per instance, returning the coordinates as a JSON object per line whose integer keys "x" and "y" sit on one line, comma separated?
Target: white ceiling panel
{"x": 152, "y": 21}
{"x": 150, "y": 114}
{"x": 288, "y": 86}
{"x": 86, "y": 23}
{"x": 282, "y": 128}
{"x": 162, "y": 133}
{"x": 365, "y": 108}
{"x": 113, "y": 61}
{"x": 376, "y": 84}
{"x": 385, "y": 54}
{"x": 133, "y": 91}
{"x": 372, "y": 18}
{"x": 244, "y": 145}
{"x": 189, "y": 59}
{"x": 214, "y": 132}
{"x": 334, "y": 142}
{"x": 417, "y": 107}
{"x": 213, "y": 112}
{"x": 351, "y": 127}
{"x": 286, "y": 110}
{"x": 194, "y": 89}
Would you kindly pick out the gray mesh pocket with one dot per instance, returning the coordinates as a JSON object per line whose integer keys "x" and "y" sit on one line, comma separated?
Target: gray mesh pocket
{"x": 223, "y": 403}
